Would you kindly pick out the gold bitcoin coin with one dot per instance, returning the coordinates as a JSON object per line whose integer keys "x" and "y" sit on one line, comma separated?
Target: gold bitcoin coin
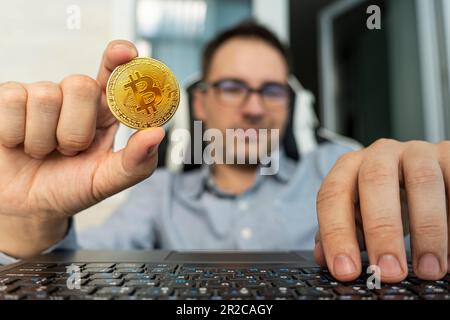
{"x": 143, "y": 93}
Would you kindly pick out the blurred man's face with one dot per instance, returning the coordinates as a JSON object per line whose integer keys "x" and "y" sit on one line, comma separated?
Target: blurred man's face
{"x": 238, "y": 65}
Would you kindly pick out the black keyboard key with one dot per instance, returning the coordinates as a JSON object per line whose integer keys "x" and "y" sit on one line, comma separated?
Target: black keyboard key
{"x": 8, "y": 280}
{"x": 99, "y": 265}
{"x": 160, "y": 265}
{"x": 32, "y": 269}
{"x": 233, "y": 293}
{"x": 64, "y": 283}
{"x": 84, "y": 290}
{"x": 322, "y": 283}
{"x": 16, "y": 295}
{"x": 180, "y": 283}
{"x": 99, "y": 270}
{"x": 40, "y": 265}
{"x": 290, "y": 283}
{"x": 113, "y": 275}
{"x": 305, "y": 277}
{"x": 8, "y": 288}
{"x": 84, "y": 293}
{"x": 195, "y": 293}
{"x": 313, "y": 293}
{"x": 346, "y": 291}
{"x": 78, "y": 264}
{"x": 129, "y": 265}
{"x": 141, "y": 283}
{"x": 274, "y": 293}
{"x": 313, "y": 270}
{"x": 153, "y": 292}
{"x": 33, "y": 281}
{"x": 162, "y": 270}
{"x": 129, "y": 270}
{"x": 106, "y": 282}
{"x": 392, "y": 290}
{"x": 114, "y": 291}
{"x": 19, "y": 274}
{"x": 82, "y": 275}
{"x": 137, "y": 276}
{"x": 425, "y": 289}
{"x": 38, "y": 292}
{"x": 357, "y": 282}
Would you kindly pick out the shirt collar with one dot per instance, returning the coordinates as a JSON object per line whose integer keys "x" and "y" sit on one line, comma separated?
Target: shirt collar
{"x": 201, "y": 180}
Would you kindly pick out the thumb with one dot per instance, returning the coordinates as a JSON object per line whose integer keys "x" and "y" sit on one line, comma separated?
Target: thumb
{"x": 129, "y": 166}
{"x": 116, "y": 53}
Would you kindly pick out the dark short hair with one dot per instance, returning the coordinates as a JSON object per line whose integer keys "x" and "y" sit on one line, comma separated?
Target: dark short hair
{"x": 247, "y": 29}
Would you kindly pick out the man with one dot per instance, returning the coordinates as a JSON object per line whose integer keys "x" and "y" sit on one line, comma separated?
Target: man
{"x": 56, "y": 159}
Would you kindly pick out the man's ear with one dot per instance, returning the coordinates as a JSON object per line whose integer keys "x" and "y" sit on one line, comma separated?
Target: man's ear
{"x": 198, "y": 104}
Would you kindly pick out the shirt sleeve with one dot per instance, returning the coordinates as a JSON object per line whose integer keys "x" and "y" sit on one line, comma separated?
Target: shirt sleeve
{"x": 132, "y": 225}
{"x": 67, "y": 243}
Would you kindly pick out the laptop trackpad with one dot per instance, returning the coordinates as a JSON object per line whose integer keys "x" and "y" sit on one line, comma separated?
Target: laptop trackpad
{"x": 230, "y": 257}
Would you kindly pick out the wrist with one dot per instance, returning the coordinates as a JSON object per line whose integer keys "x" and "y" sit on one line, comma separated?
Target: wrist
{"x": 25, "y": 237}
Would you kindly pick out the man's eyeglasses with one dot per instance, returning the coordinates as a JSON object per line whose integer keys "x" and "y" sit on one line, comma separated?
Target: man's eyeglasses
{"x": 235, "y": 93}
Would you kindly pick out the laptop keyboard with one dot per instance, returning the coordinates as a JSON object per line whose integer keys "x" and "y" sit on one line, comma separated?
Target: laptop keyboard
{"x": 139, "y": 281}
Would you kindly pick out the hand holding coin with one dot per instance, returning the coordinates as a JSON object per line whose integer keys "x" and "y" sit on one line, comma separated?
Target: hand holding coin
{"x": 56, "y": 140}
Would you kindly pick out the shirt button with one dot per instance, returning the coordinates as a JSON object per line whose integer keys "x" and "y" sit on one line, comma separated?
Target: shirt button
{"x": 246, "y": 233}
{"x": 243, "y": 206}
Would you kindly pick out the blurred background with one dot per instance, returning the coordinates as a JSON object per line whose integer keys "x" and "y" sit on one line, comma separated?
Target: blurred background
{"x": 391, "y": 82}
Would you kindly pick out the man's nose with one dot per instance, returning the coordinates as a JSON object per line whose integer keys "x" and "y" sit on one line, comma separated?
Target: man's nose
{"x": 253, "y": 107}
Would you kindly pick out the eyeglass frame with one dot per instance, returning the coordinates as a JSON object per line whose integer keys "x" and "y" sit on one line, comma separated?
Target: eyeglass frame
{"x": 205, "y": 85}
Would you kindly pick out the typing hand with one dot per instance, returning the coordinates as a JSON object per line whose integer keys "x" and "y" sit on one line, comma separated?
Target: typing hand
{"x": 371, "y": 197}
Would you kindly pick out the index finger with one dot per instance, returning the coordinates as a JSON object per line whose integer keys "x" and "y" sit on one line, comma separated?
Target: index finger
{"x": 336, "y": 214}
{"x": 116, "y": 53}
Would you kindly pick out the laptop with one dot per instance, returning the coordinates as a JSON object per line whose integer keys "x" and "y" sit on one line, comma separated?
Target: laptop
{"x": 196, "y": 275}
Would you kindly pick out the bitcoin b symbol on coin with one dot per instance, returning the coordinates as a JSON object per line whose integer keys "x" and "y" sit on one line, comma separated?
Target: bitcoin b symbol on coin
{"x": 145, "y": 92}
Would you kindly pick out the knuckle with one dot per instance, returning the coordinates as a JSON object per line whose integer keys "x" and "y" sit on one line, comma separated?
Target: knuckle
{"x": 82, "y": 85}
{"x": 47, "y": 95}
{"x": 428, "y": 229}
{"x": 384, "y": 143}
{"x": 376, "y": 172}
{"x": 39, "y": 149}
{"x": 332, "y": 232}
{"x": 332, "y": 190}
{"x": 382, "y": 228}
{"x": 444, "y": 145}
{"x": 423, "y": 173}
{"x": 13, "y": 94}
{"x": 415, "y": 145}
{"x": 346, "y": 157}
{"x": 12, "y": 138}
{"x": 75, "y": 142}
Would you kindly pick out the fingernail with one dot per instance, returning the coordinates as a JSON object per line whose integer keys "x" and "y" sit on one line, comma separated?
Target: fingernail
{"x": 429, "y": 264}
{"x": 123, "y": 46}
{"x": 343, "y": 265}
{"x": 389, "y": 265}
